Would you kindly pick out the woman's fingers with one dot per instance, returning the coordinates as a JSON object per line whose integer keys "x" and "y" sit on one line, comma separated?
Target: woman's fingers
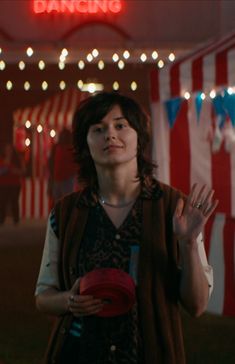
{"x": 85, "y": 305}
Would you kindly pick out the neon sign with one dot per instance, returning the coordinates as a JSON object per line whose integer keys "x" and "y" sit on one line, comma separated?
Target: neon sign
{"x": 77, "y": 6}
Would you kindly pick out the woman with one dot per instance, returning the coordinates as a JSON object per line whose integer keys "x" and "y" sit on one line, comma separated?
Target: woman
{"x": 122, "y": 219}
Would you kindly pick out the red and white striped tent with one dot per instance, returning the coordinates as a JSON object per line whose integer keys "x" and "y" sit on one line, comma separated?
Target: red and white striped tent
{"x": 183, "y": 148}
{"x": 53, "y": 114}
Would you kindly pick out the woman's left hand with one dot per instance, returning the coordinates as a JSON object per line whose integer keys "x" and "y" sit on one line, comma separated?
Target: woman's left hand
{"x": 191, "y": 215}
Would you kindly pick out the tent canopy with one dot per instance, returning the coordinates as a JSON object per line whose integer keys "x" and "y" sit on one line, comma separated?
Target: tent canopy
{"x": 209, "y": 67}
{"x": 56, "y": 112}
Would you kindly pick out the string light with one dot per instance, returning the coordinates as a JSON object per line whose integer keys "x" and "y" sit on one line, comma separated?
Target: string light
{"x": 27, "y": 86}
{"x": 154, "y": 55}
{"x": 52, "y": 133}
{"x": 44, "y": 85}
{"x": 126, "y": 54}
{"x": 0, "y": 50}
{"x": 212, "y": 94}
{"x": 203, "y": 96}
{"x": 115, "y": 86}
{"x": 39, "y": 128}
{"x": 143, "y": 57}
{"x": 62, "y": 58}
{"x": 80, "y": 84}
{"x": 64, "y": 52}
{"x": 89, "y": 57}
{"x": 187, "y": 95}
{"x": 41, "y": 65}
{"x": 101, "y": 65}
{"x": 27, "y": 142}
{"x": 27, "y": 124}
{"x": 230, "y": 90}
{"x": 61, "y": 65}
{"x": 115, "y": 57}
{"x": 121, "y": 64}
{"x": 9, "y": 85}
{"x": 29, "y": 51}
{"x": 81, "y": 65}
{"x": 133, "y": 86}
{"x": 2, "y": 65}
{"x": 21, "y": 65}
{"x": 95, "y": 53}
{"x": 171, "y": 57}
{"x": 62, "y": 85}
{"x": 160, "y": 63}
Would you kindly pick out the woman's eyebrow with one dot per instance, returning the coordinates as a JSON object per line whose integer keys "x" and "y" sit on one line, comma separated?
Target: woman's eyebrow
{"x": 119, "y": 117}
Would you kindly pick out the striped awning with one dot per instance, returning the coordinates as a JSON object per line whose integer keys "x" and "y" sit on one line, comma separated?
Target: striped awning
{"x": 56, "y": 112}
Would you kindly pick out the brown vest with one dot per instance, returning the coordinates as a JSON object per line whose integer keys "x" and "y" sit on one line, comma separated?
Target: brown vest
{"x": 158, "y": 277}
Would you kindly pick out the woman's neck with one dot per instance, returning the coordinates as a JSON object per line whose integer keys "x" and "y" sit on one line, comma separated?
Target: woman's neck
{"x": 117, "y": 187}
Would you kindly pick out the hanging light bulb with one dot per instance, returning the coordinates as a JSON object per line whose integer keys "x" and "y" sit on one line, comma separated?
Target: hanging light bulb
{"x": 160, "y": 63}
{"x": 44, "y": 85}
{"x": 27, "y": 124}
{"x": 126, "y": 54}
{"x": 154, "y": 55}
{"x": 27, "y": 86}
{"x": 81, "y": 65}
{"x": 39, "y": 128}
{"x": 61, "y": 65}
{"x": 171, "y": 57}
{"x": 29, "y": 51}
{"x": 187, "y": 95}
{"x": 115, "y": 57}
{"x": 95, "y": 53}
{"x": 52, "y": 133}
{"x": 133, "y": 86}
{"x": 115, "y": 86}
{"x": 80, "y": 84}
{"x": 143, "y": 57}
{"x": 9, "y": 85}
{"x": 89, "y": 57}
{"x": 62, "y": 85}
{"x": 121, "y": 64}
{"x": 21, "y": 65}
{"x": 64, "y": 52}
{"x": 27, "y": 142}
{"x": 101, "y": 65}
{"x": 41, "y": 65}
{"x": 212, "y": 94}
{"x": 2, "y": 65}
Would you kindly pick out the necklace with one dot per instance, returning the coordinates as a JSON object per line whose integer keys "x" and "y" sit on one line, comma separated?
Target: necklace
{"x": 102, "y": 200}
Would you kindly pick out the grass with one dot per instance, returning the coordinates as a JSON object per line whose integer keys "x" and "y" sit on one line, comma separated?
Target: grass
{"x": 24, "y": 332}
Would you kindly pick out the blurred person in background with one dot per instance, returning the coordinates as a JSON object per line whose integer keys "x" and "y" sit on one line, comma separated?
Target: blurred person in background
{"x": 11, "y": 171}
{"x": 62, "y": 169}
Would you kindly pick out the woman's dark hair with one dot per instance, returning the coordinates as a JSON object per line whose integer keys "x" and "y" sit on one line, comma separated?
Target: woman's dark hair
{"x": 91, "y": 111}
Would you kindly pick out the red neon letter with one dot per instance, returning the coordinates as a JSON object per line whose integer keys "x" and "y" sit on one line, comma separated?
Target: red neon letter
{"x": 81, "y": 6}
{"x": 97, "y": 6}
{"x": 39, "y": 6}
{"x": 53, "y": 5}
{"x": 67, "y": 6}
{"x": 115, "y": 6}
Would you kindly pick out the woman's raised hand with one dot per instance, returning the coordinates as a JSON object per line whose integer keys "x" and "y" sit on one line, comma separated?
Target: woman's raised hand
{"x": 191, "y": 215}
{"x": 82, "y": 305}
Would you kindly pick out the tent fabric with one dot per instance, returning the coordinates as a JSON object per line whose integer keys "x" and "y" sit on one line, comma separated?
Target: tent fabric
{"x": 183, "y": 150}
{"x": 56, "y": 112}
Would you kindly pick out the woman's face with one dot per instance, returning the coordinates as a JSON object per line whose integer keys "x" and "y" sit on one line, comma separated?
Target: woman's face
{"x": 113, "y": 141}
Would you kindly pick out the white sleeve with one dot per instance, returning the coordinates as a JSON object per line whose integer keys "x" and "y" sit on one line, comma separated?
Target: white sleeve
{"x": 207, "y": 268}
{"x": 48, "y": 274}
